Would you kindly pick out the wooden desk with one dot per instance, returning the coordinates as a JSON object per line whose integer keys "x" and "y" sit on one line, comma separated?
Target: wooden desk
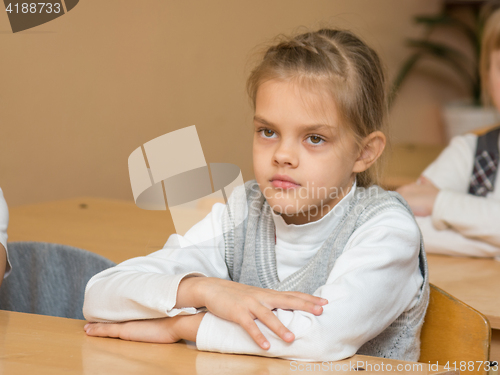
{"x": 119, "y": 230}
{"x": 47, "y": 345}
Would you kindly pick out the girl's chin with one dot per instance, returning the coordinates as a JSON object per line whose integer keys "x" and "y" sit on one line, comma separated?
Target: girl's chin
{"x": 288, "y": 208}
{"x": 298, "y": 207}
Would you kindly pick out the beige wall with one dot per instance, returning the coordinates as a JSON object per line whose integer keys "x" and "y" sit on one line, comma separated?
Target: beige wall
{"x": 80, "y": 93}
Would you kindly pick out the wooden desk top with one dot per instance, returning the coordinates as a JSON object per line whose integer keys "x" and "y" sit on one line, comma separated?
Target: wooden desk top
{"x": 118, "y": 230}
{"x": 48, "y": 345}
{"x": 474, "y": 281}
{"x": 406, "y": 162}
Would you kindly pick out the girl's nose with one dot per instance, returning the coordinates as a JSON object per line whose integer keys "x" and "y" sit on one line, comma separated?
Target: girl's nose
{"x": 285, "y": 155}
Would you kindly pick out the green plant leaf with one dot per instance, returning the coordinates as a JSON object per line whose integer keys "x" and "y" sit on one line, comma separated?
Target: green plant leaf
{"x": 445, "y": 20}
{"x": 450, "y": 56}
{"x": 403, "y": 73}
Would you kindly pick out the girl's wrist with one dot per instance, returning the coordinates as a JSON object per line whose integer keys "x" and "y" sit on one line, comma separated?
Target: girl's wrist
{"x": 189, "y": 293}
{"x": 186, "y": 327}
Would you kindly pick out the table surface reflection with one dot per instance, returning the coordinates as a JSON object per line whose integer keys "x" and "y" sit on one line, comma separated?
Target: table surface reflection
{"x": 48, "y": 345}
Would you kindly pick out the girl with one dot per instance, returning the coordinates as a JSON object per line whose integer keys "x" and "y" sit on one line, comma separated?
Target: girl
{"x": 457, "y": 199}
{"x": 325, "y": 265}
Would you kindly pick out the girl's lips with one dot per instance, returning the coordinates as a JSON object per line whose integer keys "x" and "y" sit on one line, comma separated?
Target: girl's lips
{"x": 284, "y": 184}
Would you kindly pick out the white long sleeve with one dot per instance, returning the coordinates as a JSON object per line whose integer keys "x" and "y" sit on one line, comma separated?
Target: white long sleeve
{"x": 474, "y": 218}
{"x": 4, "y": 222}
{"x": 451, "y": 242}
{"x": 371, "y": 284}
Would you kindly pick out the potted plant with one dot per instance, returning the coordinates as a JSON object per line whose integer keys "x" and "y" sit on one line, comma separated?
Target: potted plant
{"x": 467, "y": 114}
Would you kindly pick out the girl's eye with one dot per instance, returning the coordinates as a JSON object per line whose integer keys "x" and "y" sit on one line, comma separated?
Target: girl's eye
{"x": 315, "y": 139}
{"x": 267, "y": 133}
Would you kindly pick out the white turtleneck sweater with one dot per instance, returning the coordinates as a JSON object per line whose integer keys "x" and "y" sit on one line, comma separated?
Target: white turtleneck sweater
{"x": 372, "y": 283}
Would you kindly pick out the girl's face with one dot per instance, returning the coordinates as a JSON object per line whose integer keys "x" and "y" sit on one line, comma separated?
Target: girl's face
{"x": 302, "y": 159}
{"x": 495, "y": 78}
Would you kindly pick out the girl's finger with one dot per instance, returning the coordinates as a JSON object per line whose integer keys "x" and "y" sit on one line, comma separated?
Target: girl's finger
{"x": 253, "y": 330}
{"x": 272, "y": 322}
{"x": 309, "y": 297}
{"x": 290, "y": 302}
{"x": 151, "y": 330}
{"x": 102, "y": 329}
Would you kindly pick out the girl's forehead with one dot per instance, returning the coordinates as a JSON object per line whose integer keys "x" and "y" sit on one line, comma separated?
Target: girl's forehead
{"x": 278, "y": 98}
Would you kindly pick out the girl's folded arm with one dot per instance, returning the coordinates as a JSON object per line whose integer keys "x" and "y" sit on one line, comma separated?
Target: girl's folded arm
{"x": 146, "y": 287}
{"x": 372, "y": 283}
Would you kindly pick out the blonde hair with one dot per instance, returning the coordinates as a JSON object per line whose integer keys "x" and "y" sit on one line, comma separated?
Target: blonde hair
{"x": 490, "y": 42}
{"x": 347, "y": 67}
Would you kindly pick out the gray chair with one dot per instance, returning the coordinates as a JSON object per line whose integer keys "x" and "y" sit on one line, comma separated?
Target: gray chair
{"x": 49, "y": 279}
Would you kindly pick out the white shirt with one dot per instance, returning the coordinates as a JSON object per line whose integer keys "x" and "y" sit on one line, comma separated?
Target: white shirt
{"x": 372, "y": 283}
{"x": 461, "y": 223}
{"x": 4, "y": 222}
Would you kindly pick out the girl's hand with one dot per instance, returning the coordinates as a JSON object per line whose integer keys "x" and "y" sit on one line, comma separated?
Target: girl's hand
{"x": 420, "y": 195}
{"x": 243, "y": 304}
{"x": 162, "y": 331}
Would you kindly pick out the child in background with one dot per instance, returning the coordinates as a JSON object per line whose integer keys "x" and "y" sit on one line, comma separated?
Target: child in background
{"x": 326, "y": 264}
{"x": 4, "y": 221}
{"x": 457, "y": 198}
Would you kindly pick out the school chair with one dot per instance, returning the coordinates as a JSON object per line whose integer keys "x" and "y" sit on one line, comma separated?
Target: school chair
{"x": 49, "y": 279}
{"x": 484, "y": 129}
{"x": 454, "y": 332}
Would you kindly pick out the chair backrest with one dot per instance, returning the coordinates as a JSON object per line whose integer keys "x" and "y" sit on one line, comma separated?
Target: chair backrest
{"x": 49, "y": 279}
{"x": 484, "y": 129}
{"x": 454, "y": 332}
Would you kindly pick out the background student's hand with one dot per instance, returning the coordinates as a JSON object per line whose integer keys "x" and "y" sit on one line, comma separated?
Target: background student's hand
{"x": 420, "y": 195}
{"x": 243, "y": 304}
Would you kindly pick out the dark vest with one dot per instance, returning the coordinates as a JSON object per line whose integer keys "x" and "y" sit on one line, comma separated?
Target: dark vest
{"x": 486, "y": 159}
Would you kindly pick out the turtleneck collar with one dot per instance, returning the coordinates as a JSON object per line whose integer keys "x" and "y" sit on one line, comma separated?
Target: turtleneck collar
{"x": 311, "y": 234}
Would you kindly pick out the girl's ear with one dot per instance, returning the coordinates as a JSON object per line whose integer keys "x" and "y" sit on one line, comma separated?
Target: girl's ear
{"x": 372, "y": 147}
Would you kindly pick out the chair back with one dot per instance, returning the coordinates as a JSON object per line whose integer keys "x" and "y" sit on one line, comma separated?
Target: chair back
{"x": 484, "y": 129}
{"x": 454, "y": 332}
{"x": 49, "y": 279}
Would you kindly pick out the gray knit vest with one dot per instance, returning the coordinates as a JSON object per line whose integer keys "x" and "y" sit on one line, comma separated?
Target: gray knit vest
{"x": 250, "y": 258}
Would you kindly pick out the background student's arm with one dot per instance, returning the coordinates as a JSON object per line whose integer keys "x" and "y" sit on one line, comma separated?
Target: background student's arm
{"x": 371, "y": 284}
{"x": 453, "y": 167}
{"x": 452, "y": 208}
{"x": 450, "y": 171}
{"x": 4, "y": 222}
{"x": 472, "y": 216}
{"x": 451, "y": 242}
